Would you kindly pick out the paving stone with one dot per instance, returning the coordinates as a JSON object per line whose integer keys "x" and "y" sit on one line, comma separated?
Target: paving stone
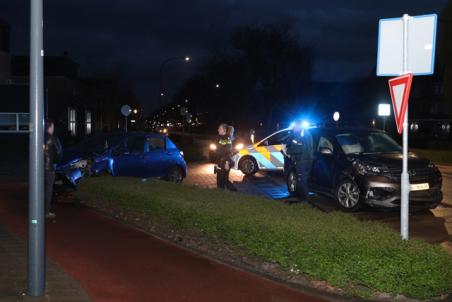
{"x": 13, "y": 268}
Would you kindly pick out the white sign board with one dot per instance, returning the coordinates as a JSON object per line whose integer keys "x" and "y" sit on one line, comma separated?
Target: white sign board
{"x": 384, "y": 110}
{"x": 421, "y": 46}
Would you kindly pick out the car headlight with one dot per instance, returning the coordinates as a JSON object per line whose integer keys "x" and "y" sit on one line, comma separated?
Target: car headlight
{"x": 181, "y": 153}
{"x": 213, "y": 147}
{"x": 369, "y": 169}
{"x": 239, "y": 147}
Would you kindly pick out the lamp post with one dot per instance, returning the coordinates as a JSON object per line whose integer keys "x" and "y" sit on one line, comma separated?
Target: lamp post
{"x": 162, "y": 67}
{"x": 36, "y": 223}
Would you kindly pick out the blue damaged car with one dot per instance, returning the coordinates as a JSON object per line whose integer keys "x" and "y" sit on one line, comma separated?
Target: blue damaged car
{"x": 134, "y": 154}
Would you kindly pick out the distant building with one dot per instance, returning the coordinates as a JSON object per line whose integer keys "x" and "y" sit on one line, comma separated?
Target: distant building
{"x": 79, "y": 106}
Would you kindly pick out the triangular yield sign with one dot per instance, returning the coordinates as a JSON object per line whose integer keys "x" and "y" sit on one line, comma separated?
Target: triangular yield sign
{"x": 400, "y": 88}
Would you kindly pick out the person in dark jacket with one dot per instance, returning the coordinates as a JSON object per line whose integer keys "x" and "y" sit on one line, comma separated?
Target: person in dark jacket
{"x": 52, "y": 154}
{"x": 299, "y": 153}
{"x": 224, "y": 157}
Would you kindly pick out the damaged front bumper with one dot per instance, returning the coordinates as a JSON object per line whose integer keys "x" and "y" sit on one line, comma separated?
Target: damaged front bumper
{"x": 381, "y": 191}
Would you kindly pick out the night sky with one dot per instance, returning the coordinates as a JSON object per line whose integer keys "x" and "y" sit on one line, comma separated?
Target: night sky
{"x": 129, "y": 39}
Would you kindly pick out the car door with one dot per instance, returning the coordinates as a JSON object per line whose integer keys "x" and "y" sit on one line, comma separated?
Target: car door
{"x": 322, "y": 174}
{"x": 128, "y": 157}
{"x": 155, "y": 159}
{"x": 268, "y": 152}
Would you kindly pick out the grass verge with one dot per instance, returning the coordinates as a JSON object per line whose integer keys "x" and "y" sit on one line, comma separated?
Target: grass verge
{"x": 334, "y": 247}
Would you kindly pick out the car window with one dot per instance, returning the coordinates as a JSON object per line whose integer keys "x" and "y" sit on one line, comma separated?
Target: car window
{"x": 170, "y": 145}
{"x": 155, "y": 143}
{"x": 119, "y": 149}
{"x": 135, "y": 144}
{"x": 367, "y": 142}
{"x": 324, "y": 143}
{"x": 276, "y": 139}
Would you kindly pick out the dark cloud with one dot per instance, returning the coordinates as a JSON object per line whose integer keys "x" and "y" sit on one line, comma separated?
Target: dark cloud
{"x": 133, "y": 37}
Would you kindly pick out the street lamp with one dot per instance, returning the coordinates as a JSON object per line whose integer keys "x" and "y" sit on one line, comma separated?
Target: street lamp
{"x": 217, "y": 85}
{"x": 336, "y": 117}
{"x": 384, "y": 110}
{"x": 162, "y": 66}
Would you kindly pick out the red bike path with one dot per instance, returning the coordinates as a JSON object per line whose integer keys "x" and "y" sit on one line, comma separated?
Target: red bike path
{"x": 114, "y": 262}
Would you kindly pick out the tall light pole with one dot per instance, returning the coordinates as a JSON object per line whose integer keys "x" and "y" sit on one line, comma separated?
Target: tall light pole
{"x": 162, "y": 67}
{"x": 36, "y": 215}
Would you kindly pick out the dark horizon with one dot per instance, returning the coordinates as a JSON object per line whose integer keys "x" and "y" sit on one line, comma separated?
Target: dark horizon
{"x": 130, "y": 40}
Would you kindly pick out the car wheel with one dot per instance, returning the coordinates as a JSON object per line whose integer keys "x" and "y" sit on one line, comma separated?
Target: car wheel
{"x": 292, "y": 183}
{"x": 248, "y": 165}
{"x": 348, "y": 196}
{"x": 175, "y": 175}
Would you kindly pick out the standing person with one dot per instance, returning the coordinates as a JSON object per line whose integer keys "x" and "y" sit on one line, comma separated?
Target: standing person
{"x": 224, "y": 157}
{"x": 299, "y": 153}
{"x": 52, "y": 154}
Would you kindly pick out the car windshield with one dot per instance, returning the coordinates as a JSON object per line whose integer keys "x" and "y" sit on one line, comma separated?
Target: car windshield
{"x": 367, "y": 142}
{"x": 99, "y": 143}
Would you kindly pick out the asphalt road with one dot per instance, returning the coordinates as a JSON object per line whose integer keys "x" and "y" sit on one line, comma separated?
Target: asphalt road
{"x": 434, "y": 226}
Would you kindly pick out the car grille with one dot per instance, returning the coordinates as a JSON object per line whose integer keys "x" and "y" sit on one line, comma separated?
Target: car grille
{"x": 416, "y": 175}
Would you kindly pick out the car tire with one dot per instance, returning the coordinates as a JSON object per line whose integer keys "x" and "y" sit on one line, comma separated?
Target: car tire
{"x": 291, "y": 181}
{"x": 348, "y": 196}
{"x": 248, "y": 166}
{"x": 175, "y": 175}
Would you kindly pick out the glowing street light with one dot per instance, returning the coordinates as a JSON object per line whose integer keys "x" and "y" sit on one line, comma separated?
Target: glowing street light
{"x": 135, "y": 111}
{"x": 187, "y": 58}
{"x": 217, "y": 85}
{"x": 336, "y": 116}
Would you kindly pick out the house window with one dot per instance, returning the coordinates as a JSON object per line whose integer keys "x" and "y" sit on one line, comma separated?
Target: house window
{"x": 88, "y": 122}
{"x": 72, "y": 121}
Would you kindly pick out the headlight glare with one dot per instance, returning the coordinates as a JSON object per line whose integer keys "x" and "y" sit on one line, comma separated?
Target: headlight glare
{"x": 239, "y": 146}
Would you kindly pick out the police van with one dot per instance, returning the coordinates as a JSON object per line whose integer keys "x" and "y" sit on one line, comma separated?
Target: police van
{"x": 265, "y": 155}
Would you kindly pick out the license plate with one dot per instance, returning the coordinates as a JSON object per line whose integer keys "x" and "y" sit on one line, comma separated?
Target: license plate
{"x": 419, "y": 187}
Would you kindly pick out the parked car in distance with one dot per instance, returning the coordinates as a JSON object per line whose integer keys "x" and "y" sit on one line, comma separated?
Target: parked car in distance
{"x": 360, "y": 166}
{"x": 135, "y": 154}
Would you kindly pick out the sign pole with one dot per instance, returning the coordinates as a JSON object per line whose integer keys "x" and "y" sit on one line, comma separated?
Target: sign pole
{"x": 405, "y": 181}
{"x": 36, "y": 223}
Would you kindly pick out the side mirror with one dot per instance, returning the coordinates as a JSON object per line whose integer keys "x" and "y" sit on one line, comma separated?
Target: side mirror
{"x": 325, "y": 150}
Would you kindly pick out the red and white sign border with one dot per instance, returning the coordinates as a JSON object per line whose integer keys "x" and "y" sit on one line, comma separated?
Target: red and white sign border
{"x": 406, "y": 79}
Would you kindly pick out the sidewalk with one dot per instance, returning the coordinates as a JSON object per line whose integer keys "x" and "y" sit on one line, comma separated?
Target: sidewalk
{"x": 13, "y": 269}
{"x": 114, "y": 262}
